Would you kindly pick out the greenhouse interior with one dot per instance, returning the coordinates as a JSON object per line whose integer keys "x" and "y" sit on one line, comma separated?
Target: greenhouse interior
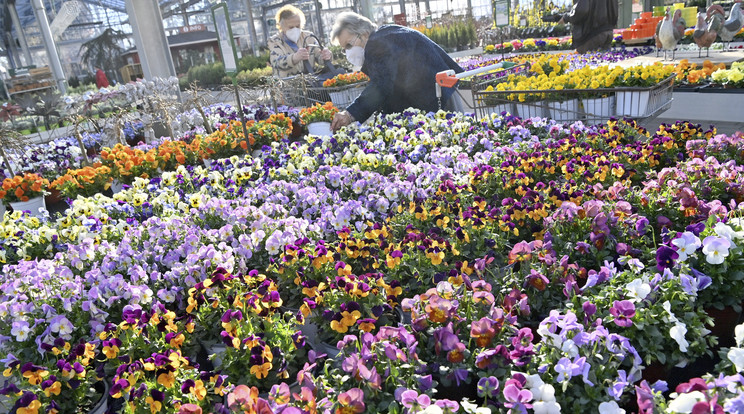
{"x": 361, "y": 206}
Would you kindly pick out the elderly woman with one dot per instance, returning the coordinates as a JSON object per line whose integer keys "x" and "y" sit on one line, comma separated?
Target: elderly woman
{"x": 401, "y": 64}
{"x": 288, "y": 52}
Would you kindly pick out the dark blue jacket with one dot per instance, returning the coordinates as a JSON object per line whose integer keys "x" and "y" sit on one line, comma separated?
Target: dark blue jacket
{"x": 401, "y": 64}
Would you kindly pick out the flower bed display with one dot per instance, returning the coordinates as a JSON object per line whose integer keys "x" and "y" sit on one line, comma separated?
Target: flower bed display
{"x": 538, "y": 266}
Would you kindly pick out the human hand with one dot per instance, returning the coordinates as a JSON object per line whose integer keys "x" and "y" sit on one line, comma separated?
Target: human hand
{"x": 300, "y": 55}
{"x": 341, "y": 119}
{"x": 325, "y": 54}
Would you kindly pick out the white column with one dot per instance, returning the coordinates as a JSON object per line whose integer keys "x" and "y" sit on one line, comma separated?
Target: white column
{"x": 149, "y": 36}
{"x": 21, "y": 35}
{"x": 252, "y": 27}
{"x": 59, "y": 74}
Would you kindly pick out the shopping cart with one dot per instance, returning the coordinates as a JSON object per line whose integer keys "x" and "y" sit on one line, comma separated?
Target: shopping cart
{"x": 588, "y": 105}
{"x": 307, "y": 89}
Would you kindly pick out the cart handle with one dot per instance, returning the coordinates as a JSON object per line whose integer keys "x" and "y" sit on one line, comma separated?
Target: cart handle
{"x": 449, "y": 78}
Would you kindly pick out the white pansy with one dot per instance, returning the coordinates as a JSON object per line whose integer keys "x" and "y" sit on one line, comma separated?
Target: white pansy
{"x": 638, "y": 289}
{"x": 546, "y": 407}
{"x": 569, "y": 348}
{"x": 739, "y": 334}
{"x": 736, "y": 355}
{"x": 683, "y": 403}
{"x": 610, "y": 407}
{"x": 473, "y": 408}
{"x": 725, "y": 231}
{"x": 716, "y": 249}
{"x": 432, "y": 409}
{"x": 677, "y": 332}
{"x": 543, "y": 392}
{"x": 687, "y": 244}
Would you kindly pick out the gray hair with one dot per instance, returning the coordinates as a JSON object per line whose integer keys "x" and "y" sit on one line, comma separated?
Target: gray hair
{"x": 354, "y": 23}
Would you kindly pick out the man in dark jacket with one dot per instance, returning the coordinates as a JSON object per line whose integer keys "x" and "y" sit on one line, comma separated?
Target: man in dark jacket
{"x": 592, "y": 21}
{"x": 401, "y": 64}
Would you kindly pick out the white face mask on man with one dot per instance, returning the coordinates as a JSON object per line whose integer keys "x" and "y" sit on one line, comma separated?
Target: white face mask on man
{"x": 355, "y": 56}
{"x": 293, "y": 34}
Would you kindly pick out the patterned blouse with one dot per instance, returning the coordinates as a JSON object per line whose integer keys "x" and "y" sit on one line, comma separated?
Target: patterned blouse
{"x": 280, "y": 54}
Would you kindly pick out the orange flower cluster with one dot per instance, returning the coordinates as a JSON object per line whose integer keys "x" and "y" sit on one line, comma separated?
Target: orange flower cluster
{"x": 344, "y": 79}
{"x": 318, "y": 113}
{"x": 227, "y": 141}
{"x": 23, "y": 187}
{"x": 86, "y": 181}
{"x": 126, "y": 163}
{"x": 174, "y": 153}
{"x": 689, "y": 73}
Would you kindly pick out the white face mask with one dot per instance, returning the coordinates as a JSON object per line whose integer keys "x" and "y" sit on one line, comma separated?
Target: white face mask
{"x": 293, "y": 34}
{"x": 355, "y": 56}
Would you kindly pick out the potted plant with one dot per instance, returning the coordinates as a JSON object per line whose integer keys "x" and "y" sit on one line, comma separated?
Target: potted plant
{"x": 147, "y": 358}
{"x": 66, "y": 380}
{"x": 634, "y": 103}
{"x": 715, "y": 252}
{"x": 128, "y": 163}
{"x": 656, "y": 311}
{"x": 459, "y": 326}
{"x": 25, "y": 192}
{"x": 240, "y": 315}
{"x": 318, "y": 118}
{"x": 346, "y": 304}
{"x": 344, "y": 88}
{"x": 86, "y": 181}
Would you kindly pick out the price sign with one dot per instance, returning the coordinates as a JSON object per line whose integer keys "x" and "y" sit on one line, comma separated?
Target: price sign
{"x": 500, "y": 13}
{"x": 225, "y": 37}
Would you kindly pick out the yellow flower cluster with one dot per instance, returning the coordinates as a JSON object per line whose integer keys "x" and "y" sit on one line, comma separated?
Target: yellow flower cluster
{"x": 551, "y": 76}
{"x": 733, "y": 76}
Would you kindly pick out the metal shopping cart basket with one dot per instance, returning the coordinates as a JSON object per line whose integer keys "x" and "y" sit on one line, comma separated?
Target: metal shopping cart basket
{"x": 302, "y": 91}
{"x": 588, "y": 105}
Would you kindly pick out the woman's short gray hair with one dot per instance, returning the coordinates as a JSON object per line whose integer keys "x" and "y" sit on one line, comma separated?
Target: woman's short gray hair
{"x": 354, "y": 23}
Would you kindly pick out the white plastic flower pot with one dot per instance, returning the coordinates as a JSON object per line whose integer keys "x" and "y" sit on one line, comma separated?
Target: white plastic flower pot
{"x": 498, "y": 109}
{"x": 322, "y": 129}
{"x": 32, "y": 205}
{"x": 599, "y": 109}
{"x": 564, "y": 111}
{"x": 216, "y": 351}
{"x": 102, "y": 405}
{"x": 531, "y": 110}
{"x": 632, "y": 104}
{"x": 116, "y": 186}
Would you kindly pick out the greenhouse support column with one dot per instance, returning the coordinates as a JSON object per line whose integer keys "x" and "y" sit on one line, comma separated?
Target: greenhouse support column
{"x": 366, "y": 9}
{"x": 402, "y": 4}
{"x": 625, "y": 14}
{"x": 21, "y": 35}
{"x": 264, "y": 25}
{"x": 46, "y": 32}
{"x": 149, "y": 36}
{"x": 252, "y": 27}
